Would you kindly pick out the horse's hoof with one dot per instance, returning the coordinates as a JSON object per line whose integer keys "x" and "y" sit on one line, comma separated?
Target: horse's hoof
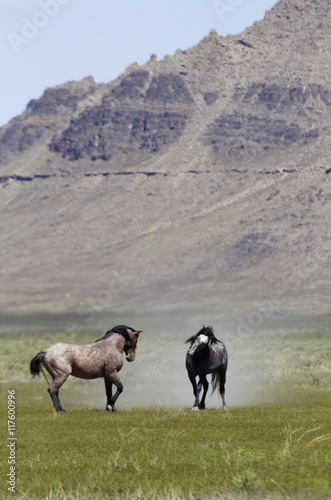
{"x": 109, "y": 408}
{"x": 195, "y": 408}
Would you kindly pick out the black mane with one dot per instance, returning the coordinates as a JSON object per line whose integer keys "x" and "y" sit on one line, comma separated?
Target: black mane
{"x": 205, "y": 330}
{"x": 121, "y": 329}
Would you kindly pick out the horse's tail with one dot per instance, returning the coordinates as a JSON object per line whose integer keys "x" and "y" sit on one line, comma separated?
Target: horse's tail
{"x": 35, "y": 363}
{"x": 215, "y": 380}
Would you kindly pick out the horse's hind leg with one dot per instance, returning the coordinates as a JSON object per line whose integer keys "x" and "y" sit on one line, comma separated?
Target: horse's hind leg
{"x": 58, "y": 364}
{"x": 54, "y": 391}
{"x": 222, "y": 384}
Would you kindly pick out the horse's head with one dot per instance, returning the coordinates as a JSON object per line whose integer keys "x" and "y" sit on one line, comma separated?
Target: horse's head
{"x": 131, "y": 338}
{"x": 200, "y": 340}
{"x": 130, "y": 345}
{"x": 199, "y": 343}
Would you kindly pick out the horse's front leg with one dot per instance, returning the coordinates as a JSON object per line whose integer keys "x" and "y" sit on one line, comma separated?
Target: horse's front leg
{"x": 109, "y": 393}
{"x": 109, "y": 381}
{"x": 196, "y": 391}
{"x": 205, "y": 384}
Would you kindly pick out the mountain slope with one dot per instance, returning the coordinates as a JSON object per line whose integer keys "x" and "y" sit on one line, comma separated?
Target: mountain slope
{"x": 199, "y": 180}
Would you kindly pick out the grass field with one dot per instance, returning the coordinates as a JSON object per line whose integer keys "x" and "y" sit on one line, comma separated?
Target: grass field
{"x": 276, "y": 447}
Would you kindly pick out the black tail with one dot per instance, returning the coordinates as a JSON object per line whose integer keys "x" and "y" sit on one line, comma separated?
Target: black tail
{"x": 35, "y": 363}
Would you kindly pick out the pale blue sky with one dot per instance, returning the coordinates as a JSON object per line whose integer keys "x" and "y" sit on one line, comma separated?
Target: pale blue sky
{"x": 48, "y": 42}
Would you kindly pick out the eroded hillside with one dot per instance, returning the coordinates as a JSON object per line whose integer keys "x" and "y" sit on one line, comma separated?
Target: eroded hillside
{"x": 201, "y": 179}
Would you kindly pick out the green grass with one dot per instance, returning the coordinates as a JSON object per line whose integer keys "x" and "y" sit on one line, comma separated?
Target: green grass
{"x": 276, "y": 450}
{"x": 267, "y": 450}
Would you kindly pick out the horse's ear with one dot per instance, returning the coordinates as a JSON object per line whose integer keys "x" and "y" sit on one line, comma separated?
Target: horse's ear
{"x": 137, "y": 333}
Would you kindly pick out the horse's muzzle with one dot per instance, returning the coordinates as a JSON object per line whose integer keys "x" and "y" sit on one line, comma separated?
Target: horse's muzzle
{"x": 130, "y": 357}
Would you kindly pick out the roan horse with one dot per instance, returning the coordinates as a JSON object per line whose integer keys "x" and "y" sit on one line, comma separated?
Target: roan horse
{"x": 104, "y": 359}
{"x": 206, "y": 355}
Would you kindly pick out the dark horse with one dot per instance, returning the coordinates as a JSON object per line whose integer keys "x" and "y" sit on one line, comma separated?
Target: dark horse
{"x": 206, "y": 355}
{"x": 104, "y": 359}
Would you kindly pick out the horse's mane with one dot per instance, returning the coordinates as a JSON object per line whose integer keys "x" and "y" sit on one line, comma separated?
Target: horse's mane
{"x": 206, "y": 330}
{"x": 121, "y": 329}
